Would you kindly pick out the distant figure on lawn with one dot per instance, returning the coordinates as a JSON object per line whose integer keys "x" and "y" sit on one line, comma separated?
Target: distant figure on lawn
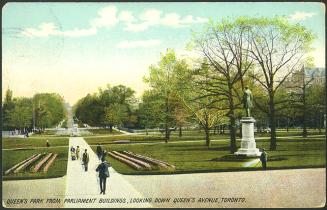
{"x": 247, "y": 101}
{"x": 48, "y": 144}
{"x": 99, "y": 151}
{"x": 263, "y": 159}
{"x": 85, "y": 159}
{"x": 103, "y": 169}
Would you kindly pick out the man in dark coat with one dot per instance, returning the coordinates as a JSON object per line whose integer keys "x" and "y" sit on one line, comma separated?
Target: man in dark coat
{"x": 263, "y": 159}
{"x": 85, "y": 159}
{"x": 103, "y": 174}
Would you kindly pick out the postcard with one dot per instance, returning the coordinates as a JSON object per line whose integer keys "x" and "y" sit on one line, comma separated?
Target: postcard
{"x": 163, "y": 105}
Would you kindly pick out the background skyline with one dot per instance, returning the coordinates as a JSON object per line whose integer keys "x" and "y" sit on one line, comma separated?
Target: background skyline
{"x": 75, "y": 48}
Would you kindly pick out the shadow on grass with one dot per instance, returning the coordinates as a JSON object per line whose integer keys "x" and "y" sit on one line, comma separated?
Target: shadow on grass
{"x": 233, "y": 158}
{"x": 204, "y": 148}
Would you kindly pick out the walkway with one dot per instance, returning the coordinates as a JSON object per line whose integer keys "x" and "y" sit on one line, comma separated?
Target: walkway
{"x": 81, "y": 184}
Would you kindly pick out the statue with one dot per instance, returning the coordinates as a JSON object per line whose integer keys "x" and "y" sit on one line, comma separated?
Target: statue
{"x": 247, "y": 100}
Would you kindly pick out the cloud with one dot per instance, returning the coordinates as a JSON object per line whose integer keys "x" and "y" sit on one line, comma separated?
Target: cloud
{"x": 139, "y": 43}
{"x": 48, "y": 29}
{"x": 298, "y": 16}
{"x": 109, "y": 17}
{"x": 126, "y": 16}
{"x": 154, "y": 17}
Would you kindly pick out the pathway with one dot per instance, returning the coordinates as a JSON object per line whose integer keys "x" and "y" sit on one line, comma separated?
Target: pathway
{"x": 84, "y": 185}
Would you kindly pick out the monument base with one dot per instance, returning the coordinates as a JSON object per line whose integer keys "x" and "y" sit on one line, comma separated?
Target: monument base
{"x": 248, "y": 145}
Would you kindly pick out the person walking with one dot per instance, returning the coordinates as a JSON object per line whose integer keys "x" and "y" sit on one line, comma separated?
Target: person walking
{"x": 85, "y": 159}
{"x": 77, "y": 152}
{"x": 263, "y": 159}
{"x": 99, "y": 151}
{"x": 103, "y": 169}
{"x": 48, "y": 144}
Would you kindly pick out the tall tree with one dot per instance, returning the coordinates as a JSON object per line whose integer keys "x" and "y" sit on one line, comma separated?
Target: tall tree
{"x": 164, "y": 79}
{"x": 224, "y": 46}
{"x": 278, "y": 47}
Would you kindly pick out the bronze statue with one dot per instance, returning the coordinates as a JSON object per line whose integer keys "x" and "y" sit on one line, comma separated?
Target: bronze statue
{"x": 247, "y": 101}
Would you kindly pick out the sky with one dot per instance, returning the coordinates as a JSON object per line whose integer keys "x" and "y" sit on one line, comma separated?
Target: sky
{"x": 75, "y": 48}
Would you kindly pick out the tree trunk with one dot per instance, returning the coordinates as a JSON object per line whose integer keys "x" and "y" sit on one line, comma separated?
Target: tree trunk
{"x": 110, "y": 128}
{"x": 166, "y": 132}
{"x": 180, "y": 130}
{"x": 232, "y": 134}
{"x": 232, "y": 130}
{"x": 272, "y": 121}
{"x": 207, "y": 132}
{"x": 166, "y": 121}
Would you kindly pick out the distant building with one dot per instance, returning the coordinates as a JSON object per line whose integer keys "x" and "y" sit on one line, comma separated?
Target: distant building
{"x": 318, "y": 75}
{"x": 297, "y": 78}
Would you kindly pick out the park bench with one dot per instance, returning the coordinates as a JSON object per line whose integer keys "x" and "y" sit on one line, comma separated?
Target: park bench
{"x": 39, "y": 165}
{"x": 18, "y": 164}
{"x": 139, "y": 162}
{"x": 51, "y": 161}
{"x": 146, "y": 159}
{"x": 127, "y": 162}
{"x": 28, "y": 163}
{"x": 156, "y": 160}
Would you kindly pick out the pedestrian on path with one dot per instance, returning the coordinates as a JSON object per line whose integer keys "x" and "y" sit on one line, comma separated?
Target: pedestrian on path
{"x": 263, "y": 159}
{"x": 103, "y": 169}
{"x": 48, "y": 144}
{"x": 72, "y": 153}
{"x": 99, "y": 151}
{"x": 77, "y": 152}
{"x": 85, "y": 159}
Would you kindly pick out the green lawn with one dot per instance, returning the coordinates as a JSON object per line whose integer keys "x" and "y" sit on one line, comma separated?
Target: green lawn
{"x": 191, "y": 157}
{"x": 103, "y": 131}
{"x": 33, "y": 142}
{"x": 12, "y": 157}
{"x": 30, "y": 145}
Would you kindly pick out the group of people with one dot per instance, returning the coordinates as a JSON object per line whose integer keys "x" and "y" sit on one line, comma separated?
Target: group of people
{"x": 75, "y": 155}
{"x": 102, "y": 168}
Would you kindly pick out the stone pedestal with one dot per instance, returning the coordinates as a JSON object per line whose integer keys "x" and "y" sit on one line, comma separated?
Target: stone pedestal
{"x": 248, "y": 145}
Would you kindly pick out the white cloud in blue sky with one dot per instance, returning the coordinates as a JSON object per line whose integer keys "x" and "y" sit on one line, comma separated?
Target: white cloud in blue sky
{"x": 110, "y": 16}
{"x": 299, "y": 16}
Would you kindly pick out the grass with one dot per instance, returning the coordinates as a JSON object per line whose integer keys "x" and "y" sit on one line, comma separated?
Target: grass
{"x": 8, "y": 143}
{"x": 12, "y": 157}
{"x": 33, "y": 145}
{"x": 103, "y": 131}
{"x": 190, "y": 157}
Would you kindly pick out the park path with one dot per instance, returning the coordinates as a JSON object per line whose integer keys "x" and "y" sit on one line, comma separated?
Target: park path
{"x": 81, "y": 184}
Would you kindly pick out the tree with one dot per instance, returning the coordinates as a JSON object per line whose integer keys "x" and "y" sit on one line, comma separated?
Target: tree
{"x": 224, "y": 46}
{"x": 49, "y": 109}
{"x": 7, "y": 107}
{"x": 21, "y": 115}
{"x": 316, "y": 105}
{"x": 95, "y": 109}
{"x": 164, "y": 79}
{"x": 278, "y": 48}
{"x": 115, "y": 114}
